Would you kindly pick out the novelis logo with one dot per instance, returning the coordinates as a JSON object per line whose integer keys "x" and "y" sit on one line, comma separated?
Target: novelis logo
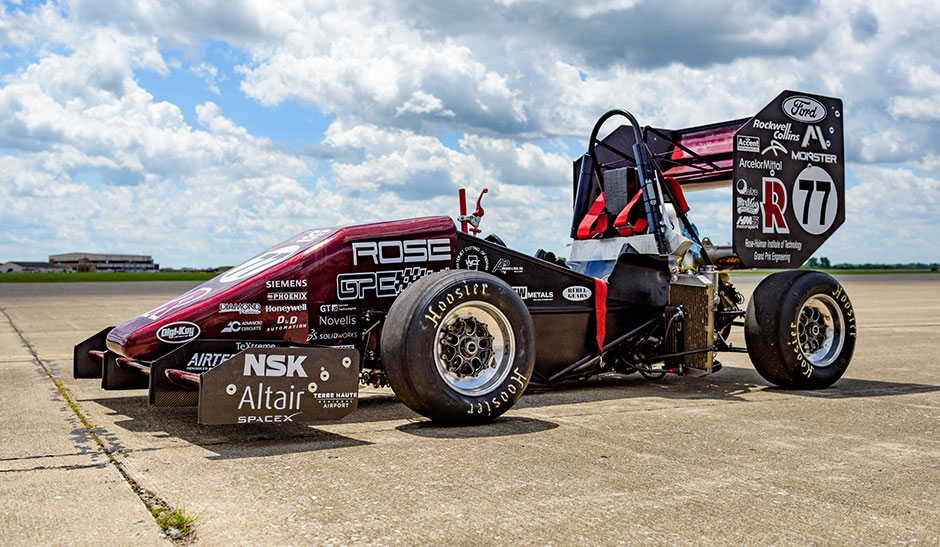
{"x": 178, "y": 332}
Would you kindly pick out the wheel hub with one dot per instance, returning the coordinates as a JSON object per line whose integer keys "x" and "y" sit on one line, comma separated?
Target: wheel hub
{"x": 820, "y": 330}
{"x": 466, "y": 347}
{"x": 474, "y": 348}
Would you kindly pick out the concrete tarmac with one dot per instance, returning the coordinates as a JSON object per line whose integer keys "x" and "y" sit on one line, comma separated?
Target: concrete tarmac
{"x": 709, "y": 461}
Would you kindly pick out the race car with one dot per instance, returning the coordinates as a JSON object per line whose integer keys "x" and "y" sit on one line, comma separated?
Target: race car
{"x": 459, "y": 326}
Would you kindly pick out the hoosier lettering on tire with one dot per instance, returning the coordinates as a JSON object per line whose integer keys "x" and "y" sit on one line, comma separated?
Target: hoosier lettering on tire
{"x": 800, "y": 329}
{"x": 459, "y": 347}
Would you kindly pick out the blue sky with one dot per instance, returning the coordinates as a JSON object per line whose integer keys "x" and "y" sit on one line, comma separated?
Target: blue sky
{"x": 203, "y": 132}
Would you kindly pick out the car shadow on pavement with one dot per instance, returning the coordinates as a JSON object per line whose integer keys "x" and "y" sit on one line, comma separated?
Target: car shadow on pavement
{"x": 239, "y": 441}
{"x": 500, "y": 427}
{"x": 225, "y": 441}
{"x": 729, "y": 384}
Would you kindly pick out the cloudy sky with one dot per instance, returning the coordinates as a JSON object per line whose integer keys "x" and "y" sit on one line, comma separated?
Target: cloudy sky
{"x": 203, "y": 132}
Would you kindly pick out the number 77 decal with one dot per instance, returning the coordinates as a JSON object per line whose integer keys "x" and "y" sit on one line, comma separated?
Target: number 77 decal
{"x": 815, "y": 201}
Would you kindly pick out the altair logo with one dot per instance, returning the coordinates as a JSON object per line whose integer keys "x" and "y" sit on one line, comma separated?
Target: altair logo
{"x": 178, "y": 332}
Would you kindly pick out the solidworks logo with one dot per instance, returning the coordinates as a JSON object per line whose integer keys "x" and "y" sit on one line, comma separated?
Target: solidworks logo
{"x": 274, "y": 365}
{"x": 773, "y": 206}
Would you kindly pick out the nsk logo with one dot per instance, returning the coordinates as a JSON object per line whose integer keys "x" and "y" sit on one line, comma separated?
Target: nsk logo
{"x": 396, "y": 252}
{"x": 274, "y": 365}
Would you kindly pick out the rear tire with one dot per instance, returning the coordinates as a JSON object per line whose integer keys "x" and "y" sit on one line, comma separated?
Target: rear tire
{"x": 800, "y": 329}
{"x": 458, "y": 347}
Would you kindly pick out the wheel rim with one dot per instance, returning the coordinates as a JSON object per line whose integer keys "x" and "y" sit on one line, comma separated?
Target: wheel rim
{"x": 474, "y": 348}
{"x": 820, "y": 330}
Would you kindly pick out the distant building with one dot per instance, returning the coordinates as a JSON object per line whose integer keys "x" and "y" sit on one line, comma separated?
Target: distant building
{"x": 32, "y": 267}
{"x": 94, "y": 262}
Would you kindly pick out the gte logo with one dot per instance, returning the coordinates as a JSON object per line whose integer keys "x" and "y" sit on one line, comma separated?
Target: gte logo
{"x": 397, "y": 252}
{"x": 274, "y": 365}
{"x": 773, "y": 206}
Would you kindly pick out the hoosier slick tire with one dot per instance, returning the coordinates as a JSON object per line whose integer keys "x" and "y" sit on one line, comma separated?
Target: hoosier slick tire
{"x": 800, "y": 329}
{"x": 458, "y": 347}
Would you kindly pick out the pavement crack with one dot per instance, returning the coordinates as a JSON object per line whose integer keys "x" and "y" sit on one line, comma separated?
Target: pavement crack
{"x": 154, "y": 503}
{"x": 71, "y": 467}
{"x": 40, "y": 456}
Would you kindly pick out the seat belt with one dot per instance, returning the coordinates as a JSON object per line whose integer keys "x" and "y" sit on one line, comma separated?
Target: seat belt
{"x": 595, "y": 221}
{"x": 621, "y": 223}
{"x": 600, "y": 312}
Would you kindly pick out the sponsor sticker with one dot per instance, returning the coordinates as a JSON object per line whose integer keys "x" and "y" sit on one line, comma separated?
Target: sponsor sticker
{"x": 359, "y": 285}
{"x": 748, "y": 206}
{"x": 776, "y": 148}
{"x": 748, "y": 222}
{"x": 748, "y": 143}
{"x": 242, "y": 326}
{"x": 242, "y": 308}
{"x": 282, "y": 296}
{"x": 286, "y": 284}
{"x": 804, "y": 109}
{"x": 178, "y": 333}
{"x": 398, "y": 252}
{"x": 286, "y": 308}
{"x": 536, "y": 296}
{"x": 576, "y": 293}
{"x": 287, "y": 322}
{"x": 315, "y": 336}
{"x": 504, "y": 266}
{"x": 781, "y": 131}
{"x": 274, "y": 386}
{"x": 742, "y": 188}
{"x": 473, "y": 258}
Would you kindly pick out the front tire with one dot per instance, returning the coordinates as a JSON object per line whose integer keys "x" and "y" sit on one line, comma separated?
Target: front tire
{"x": 458, "y": 347}
{"x": 800, "y": 329}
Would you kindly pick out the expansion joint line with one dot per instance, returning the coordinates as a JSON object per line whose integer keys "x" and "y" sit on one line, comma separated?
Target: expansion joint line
{"x": 154, "y": 504}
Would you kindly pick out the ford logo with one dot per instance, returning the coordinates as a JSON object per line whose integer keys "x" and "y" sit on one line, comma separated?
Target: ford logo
{"x": 804, "y": 109}
{"x": 178, "y": 332}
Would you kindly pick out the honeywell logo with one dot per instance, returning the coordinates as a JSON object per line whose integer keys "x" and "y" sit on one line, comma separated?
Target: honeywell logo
{"x": 274, "y": 365}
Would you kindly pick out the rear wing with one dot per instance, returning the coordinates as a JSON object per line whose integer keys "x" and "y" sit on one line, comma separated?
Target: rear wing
{"x": 786, "y": 164}
{"x": 699, "y": 157}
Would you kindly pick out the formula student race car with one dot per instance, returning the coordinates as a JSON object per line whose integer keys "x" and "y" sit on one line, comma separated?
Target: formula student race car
{"x": 459, "y": 325}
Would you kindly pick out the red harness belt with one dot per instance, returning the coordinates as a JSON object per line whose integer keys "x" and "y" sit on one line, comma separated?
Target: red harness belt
{"x": 600, "y": 312}
{"x": 595, "y": 221}
{"x": 621, "y": 223}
